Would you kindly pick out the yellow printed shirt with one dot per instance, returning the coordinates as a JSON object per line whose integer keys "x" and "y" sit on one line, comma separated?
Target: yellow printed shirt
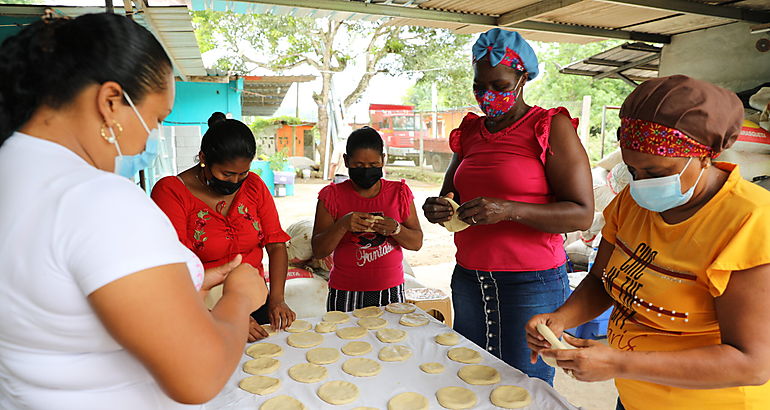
{"x": 664, "y": 278}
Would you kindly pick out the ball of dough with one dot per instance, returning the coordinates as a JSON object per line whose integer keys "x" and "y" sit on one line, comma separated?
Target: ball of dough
{"x": 371, "y": 311}
{"x": 299, "y": 326}
{"x": 414, "y": 320}
{"x": 479, "y": 375}
{"x": 282, "y": 402}
{"x": 261, "y": 385}
{"x": 354, "y": 332}
{"x": 400, "y": 308}
{"x": 395, "y": 353}
{"x": 448, "y": 338}
{"x": 264, "y": 350}
{"x": 372, "y": 323}
{"x": 336, "y": 316}
{"x": 510, "y": 397}
{"x": 361, "y": 367}
{"x": 356, "y": 348}
{"x": 323, "y": 355}
{"x": 454, "y": 224}
{"x": 338, "y": 392}
{"x": 456, "y": 398}
{"x": 307, "y": 373}
{"x": 391, "y": 335}
{"x": 325, "y": 327}
{"x": 432, "y": 368}
{"x": 262, "y": 365}
{"x": 464, "y": 355}
{"x": 409, "y": 401}
{"x": 304, "y": 340}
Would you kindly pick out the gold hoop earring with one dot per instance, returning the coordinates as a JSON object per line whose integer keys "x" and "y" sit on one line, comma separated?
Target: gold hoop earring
{"x": 111, "y": 138}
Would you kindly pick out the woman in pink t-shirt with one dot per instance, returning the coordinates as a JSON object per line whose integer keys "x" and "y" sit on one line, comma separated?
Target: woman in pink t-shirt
{"x": 365, "y": 221}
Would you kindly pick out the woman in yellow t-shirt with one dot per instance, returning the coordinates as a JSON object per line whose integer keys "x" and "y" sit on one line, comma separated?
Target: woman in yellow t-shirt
{"x": 684, "y": 261}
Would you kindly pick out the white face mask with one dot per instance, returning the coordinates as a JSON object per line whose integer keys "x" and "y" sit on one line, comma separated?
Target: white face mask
{"x": 128, "y": 165}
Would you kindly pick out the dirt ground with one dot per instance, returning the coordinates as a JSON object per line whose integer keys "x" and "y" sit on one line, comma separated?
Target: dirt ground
{"x": 433, "y": 266}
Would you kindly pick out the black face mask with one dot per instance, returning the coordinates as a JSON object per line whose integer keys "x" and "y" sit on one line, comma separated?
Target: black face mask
{"x": 365, "y": 177}
{"x": 224, "y": 187}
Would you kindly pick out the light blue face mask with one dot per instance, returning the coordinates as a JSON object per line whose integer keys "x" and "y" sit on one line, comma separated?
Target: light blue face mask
{"x": 128, "y": 165}
{"x": 664, "y": 193}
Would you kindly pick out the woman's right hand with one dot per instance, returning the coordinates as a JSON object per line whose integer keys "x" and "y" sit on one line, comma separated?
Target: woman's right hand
{"x": 215, "y": 276}
{"x": 358, "y": 222}
{"x": 247, "y": 281}
{"x": 535, "y": 340}
{"x": 437, "y": 209}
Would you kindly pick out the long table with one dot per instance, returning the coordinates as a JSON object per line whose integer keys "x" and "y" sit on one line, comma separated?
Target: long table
{"x": 395, "y": 377}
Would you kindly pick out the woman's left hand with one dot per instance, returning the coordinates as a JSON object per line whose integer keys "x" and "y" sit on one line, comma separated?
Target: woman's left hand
{"x": 281, "y": 315}
{"x": 592, "y": 361}
{"x": 485, "y": 211}
{"x": 385, "y": 226}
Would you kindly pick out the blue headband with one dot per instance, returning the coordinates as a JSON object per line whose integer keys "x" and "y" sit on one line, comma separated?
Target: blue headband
{"x": 506, "y": 47}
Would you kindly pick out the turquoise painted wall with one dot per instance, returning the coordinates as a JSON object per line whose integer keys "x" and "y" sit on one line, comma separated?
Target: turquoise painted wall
{"x": 196, "y": 101}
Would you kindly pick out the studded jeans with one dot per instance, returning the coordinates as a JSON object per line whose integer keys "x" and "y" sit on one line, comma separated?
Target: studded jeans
{"x": 491, "y": 309}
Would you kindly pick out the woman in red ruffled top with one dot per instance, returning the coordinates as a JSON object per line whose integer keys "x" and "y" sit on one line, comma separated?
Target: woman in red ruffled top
{"x": 522, "y": 178}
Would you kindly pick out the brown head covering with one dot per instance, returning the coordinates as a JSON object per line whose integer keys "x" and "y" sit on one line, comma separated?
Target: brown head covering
{"x": 709, "y": 114}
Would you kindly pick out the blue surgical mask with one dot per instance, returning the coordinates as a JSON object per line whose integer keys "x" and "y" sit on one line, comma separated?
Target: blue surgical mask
{"x": 128, "y": 165}
{"x": 664, "y": 193}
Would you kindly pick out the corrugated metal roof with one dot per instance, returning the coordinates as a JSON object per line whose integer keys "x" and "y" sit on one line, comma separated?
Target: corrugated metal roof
{"x": 614, "y": 59}
{"x": 262, "y": 95}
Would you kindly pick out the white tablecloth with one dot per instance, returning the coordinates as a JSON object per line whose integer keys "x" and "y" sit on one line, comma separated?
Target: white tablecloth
{"x": 395, "y": 378}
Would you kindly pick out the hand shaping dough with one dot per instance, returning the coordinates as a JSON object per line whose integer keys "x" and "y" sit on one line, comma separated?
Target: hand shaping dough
{"x": 361, "y": 367}
{"x": 325, "y": 327}
{"x": 448, "y": 338}
{"x": 400, "y": 308}
{"x": 371, "y": 311}
{"x": 391, "y": 335}
{"x": 264, "y": 350}
{"x": 554, "y": 341}
{"x": 456, "y": 398}
{"x": 323, "y": 355}
{"x": 373, "y": 218}
{"x": 307, "y": 373}
{"x": 282, "y": 403}
{"x": 356, "y": 348}
{"x": 355, "y": 332}
{"x": 338, "y": 392}
{"x": 336, "y": 316}
{"x": 510, "y": 397}
{"x": 269, "y": 329}
{"x": 432, "y": 368}
{"x": 304, "y": 340}
{"x": 454, "y": 224}
{"x": 479, "y": 374}
{"x": 414, "y": 320}
{"x": 464, "y": 355}
{"x": 408, "y": 401}
{"x": 372, "y": 323}
{"x": 299, "y": 326}
{"x": 262, "y": 365}
{"x": 396, "y": 353}
{"x": 261, "y": 385}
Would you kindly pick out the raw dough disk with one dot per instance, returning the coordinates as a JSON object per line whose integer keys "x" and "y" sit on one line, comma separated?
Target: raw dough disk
{"x": 479, "y": 374}
{"x": 396, "y": 353}
{"x": 354, "y": 332}
{"x": 282, "y": 403}
{"x": 264, "y": 350}
{"x": 307, "y": 373}
{"x": 372, "y": 323}
{"x": 414, "y": 320}
{"x": 325, "y": 327}
{"x": 269, "y": 329}
{"x": 361, "y": 367}
{"x": 336, "y": 316}
{"x": 323, "y": 355}
{"x": 299, "y": 326}
{"x": 261, "y": 385}
{"x": 391, "y": 335}
{"x": 338, "y": 392}
{"x": 456, "y": 398}
{"x": 356, "y": 348}
{"x": 554, "y": 341}
{"x": 454, "y": 224}
{"x": 371, "y": 311}
{"x": 464, "y": 355}
{"x": 400, "y": 308}
{"x": 432, "y": 368}
{"x": 262, "y": 365}
{"x": 304, "y": 340}
{"x": 408, "y": 401}
{"x": 510, "y": 397}
{"x": 448, "y": 338}
{"x": 365, "y": 408}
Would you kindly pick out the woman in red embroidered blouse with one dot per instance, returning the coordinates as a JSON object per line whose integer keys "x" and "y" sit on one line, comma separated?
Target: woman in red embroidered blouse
{"x": 221, "y": 210}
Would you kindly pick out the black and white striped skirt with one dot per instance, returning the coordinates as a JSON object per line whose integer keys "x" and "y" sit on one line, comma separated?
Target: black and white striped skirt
{"x": 349, "y": 300}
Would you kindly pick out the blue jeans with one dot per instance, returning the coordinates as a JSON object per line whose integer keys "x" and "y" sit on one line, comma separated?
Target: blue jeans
{"x": 491, "y": 309}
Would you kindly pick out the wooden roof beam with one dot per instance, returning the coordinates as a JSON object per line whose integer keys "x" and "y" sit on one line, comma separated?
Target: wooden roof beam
{"x": 691, "y": 7}
{"x": 533, "y": 10}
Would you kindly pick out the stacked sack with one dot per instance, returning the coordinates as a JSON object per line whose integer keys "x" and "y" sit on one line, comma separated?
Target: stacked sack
{"x": 300, "y": 248}
{"x": 752, "y": 149}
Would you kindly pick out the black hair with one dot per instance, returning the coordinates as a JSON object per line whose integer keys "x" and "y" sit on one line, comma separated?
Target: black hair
{"x": 365, "y": 137}
{"x": 50, "y": 61}
{"x": 227, "y": 139}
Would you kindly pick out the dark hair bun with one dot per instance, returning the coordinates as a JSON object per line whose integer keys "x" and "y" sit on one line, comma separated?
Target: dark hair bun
{"x": 216, "y": 118}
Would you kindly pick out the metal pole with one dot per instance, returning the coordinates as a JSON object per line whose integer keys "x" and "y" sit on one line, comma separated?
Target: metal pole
{"x": 585, "y": 121}
{"x": 604, "y": 124}
{"x": 434, "y": 119}
{"x": 108, "y": 7}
